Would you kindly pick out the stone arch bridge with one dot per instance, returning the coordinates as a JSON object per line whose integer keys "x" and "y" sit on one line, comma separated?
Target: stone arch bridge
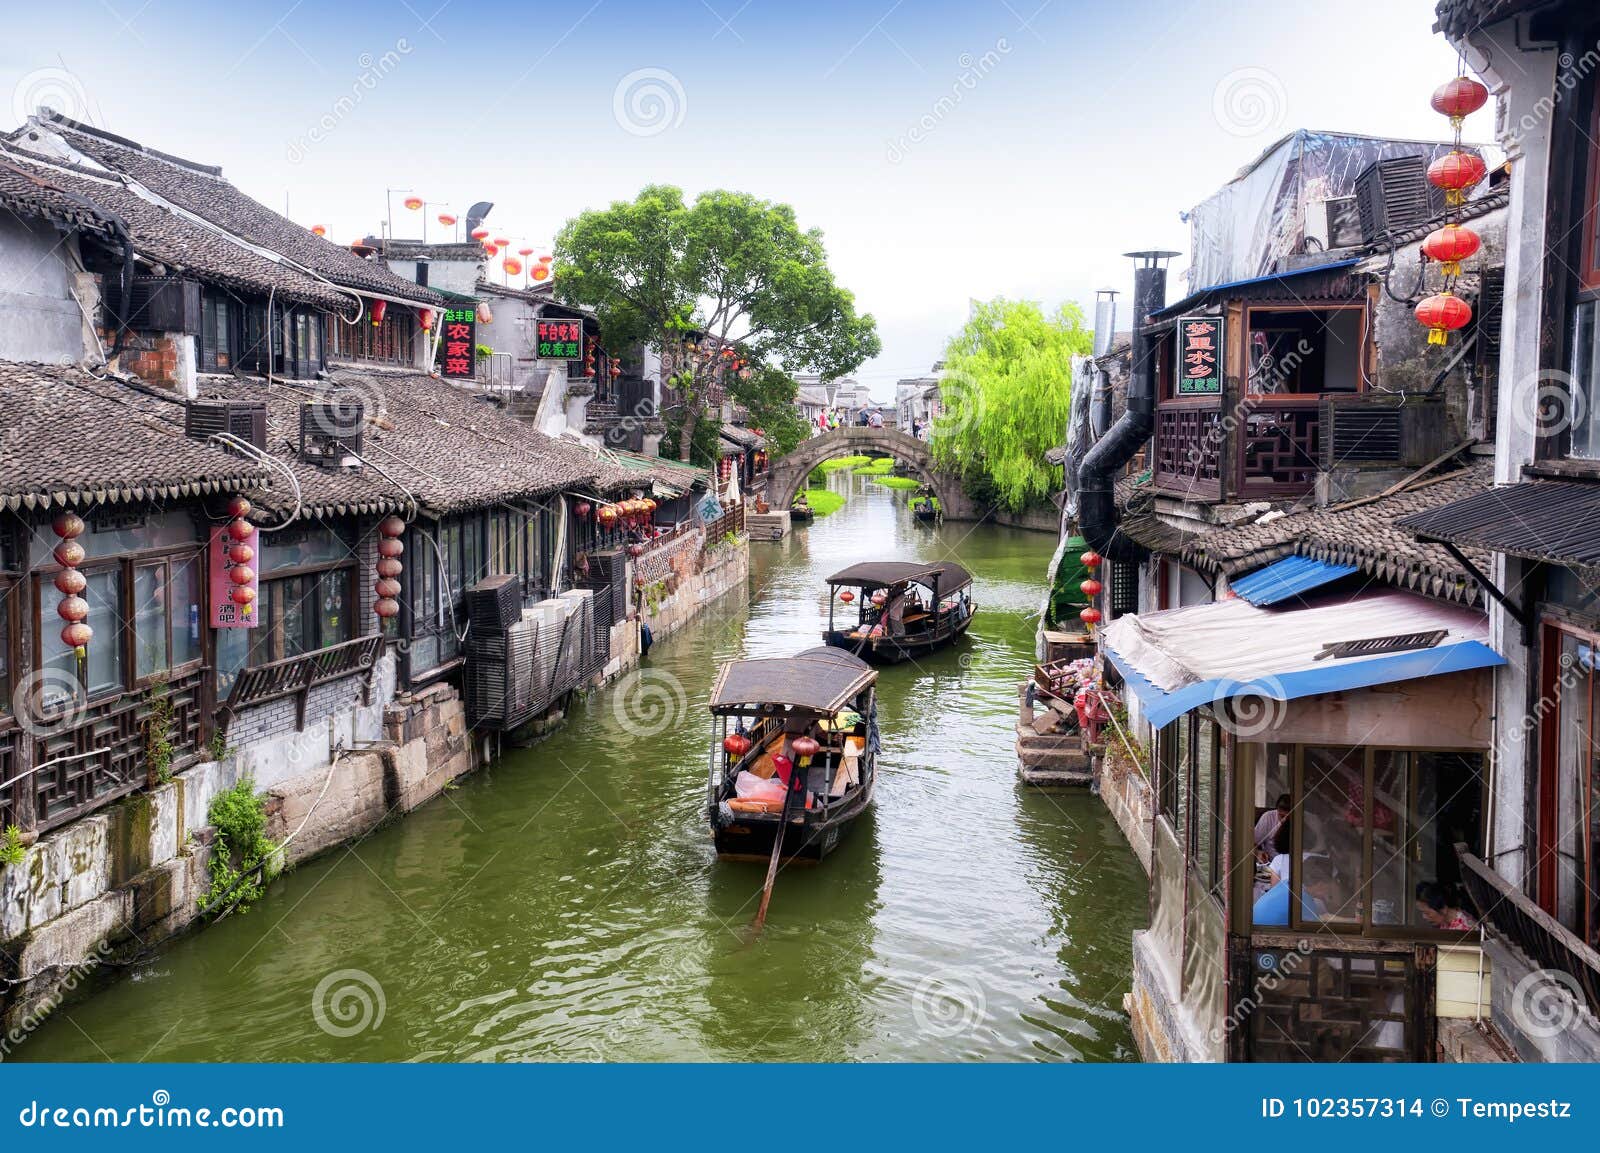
{"x": 786, "y": 475}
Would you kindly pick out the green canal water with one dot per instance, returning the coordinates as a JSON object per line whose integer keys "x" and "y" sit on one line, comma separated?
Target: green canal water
{"x": 564, "y": 904}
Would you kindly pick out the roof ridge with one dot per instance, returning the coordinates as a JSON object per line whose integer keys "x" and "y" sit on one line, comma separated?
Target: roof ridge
{"x": 58, "y": 120}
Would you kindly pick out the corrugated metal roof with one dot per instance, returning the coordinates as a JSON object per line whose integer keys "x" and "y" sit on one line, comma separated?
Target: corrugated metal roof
{"x": 1230, "y": 286}
{"x": 1288, "y": 578}
{"x": 1546, "y": 520}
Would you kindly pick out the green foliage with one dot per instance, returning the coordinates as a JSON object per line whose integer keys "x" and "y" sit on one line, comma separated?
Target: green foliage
{"x": 824, "y": 501}
{"x": 882, "y": 466}
{"x": 902, "y": 482}
{"x": 769, "y": 396}
{"x": 1005, "y": 393}
{"x": 12, "y": 850}
{"x": 843, "y": 462}
{"x": 219, "y": 749}
{"x": 240, "y": 850}
{"x": 158, "y": 736}
{"x": 484, "y": 352}
{"x": 706, "y": 443}
{"x": 731, "y": 270}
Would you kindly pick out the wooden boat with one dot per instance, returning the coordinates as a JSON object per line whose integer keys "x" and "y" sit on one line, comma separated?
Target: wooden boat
{"x": 800, "y": 512}
{"x": 903, "y": 609}
{"x": 924, "y": 508}
{"x": 763, "y": 709}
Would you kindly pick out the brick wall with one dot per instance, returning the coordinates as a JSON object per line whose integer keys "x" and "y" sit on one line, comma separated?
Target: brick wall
{"x": 277, "y": 718}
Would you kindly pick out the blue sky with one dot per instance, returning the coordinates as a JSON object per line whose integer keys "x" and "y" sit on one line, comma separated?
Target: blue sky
{"x": 947, "y": 150}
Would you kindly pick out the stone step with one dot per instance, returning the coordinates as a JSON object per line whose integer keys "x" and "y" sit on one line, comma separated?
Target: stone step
{"x": 1060, "y": 758}
{"x": 1046, "y": 778}
{"x": 1027, "y": 738}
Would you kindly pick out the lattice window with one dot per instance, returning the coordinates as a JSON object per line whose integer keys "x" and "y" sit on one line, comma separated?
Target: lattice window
{"x": 1188, "y": 447}
{"x": 1281, "y": 446}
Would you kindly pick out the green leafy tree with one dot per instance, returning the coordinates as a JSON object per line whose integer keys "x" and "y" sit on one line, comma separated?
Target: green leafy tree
{"x": 727, "y": 279}
{"x": 769, "y": 395}
{"x": 1004, "y": 396}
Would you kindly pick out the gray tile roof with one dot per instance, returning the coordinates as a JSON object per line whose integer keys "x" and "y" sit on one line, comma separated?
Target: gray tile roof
{"x": 1458, "y": 17}
{"x": 202, "y": 190}
{"x": 68, "y": 437}
{"x": 450, "y": 448}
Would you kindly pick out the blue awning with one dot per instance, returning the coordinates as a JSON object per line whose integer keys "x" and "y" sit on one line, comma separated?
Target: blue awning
{"x": 1288, "y": 578}
{"x": 1179, "y": 660}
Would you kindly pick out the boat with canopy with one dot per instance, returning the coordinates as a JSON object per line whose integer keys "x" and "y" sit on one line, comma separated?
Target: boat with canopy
{"x": 903, "y": 609}
{"x": 794, "y": 754}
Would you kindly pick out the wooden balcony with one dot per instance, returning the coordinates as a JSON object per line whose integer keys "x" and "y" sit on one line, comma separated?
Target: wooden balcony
{"x": 1190, "y": 443}
{"x": 297, "y": 676}
{"x": 1279, "y": 443}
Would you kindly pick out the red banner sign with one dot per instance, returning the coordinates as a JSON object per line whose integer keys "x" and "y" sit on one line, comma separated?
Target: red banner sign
{"x": 226, "y": 613}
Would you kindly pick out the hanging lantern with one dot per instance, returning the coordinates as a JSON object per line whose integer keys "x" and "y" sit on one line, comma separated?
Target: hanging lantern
{"x": 607, "y": 514}
{"x": 546, "y": 259}
{"x": 390, "y": 529}
{"x": 736, "y": 744}
{"x": 70, "y": 582}
{"x": 391, "y": 547}
{"x": 388, "y": 566}
{"x": 847, "y": 596}
{"x": 616, "y": 368}
{"x": 1451, "y": 245}
{"x": 68, "y": 526}
{"x": 1442, "y": 314}
{"x": 242, "y": 574}
{"x": 239, "y": 506}
{"x": 1091, "y": 587}
{"x": 805, "y": 748}
{"x": 490, "y": 249}
{"x": 244, "y": 596}
{"x": 447, "y": 220}
{"x": 1456, "y": 172}
{"x": 386, "y": 607}
{"x": 240, "y": 529}
{"x": 512, "y": 266}
{"x": 588, "y": 367}
{"x": 1459, "y": 98}
{"x": 72, "y": 609}
{"x": 878, "y": 597}
{"x": 1089, "y": 616}
{"x": 485, "y": 316}
{"x": 1090, "y": 559}
{"x": 414, "y": 203}
{"x": 380, "y": 309}
{"x": 77, "y": 636}
{"x": 318, "y": 230}
{"x": 387, "y": 587}
{"x": 541, "y": 272}
{"x": 524, "y": 252}
{"x": 241, "y": 553}
{"x": 69, "y": 554}
{"x": 425, "y": 319}
{"x": 480, "y": 233}
{"x": 502, "y": 242}
{"x": 581, "y": 509}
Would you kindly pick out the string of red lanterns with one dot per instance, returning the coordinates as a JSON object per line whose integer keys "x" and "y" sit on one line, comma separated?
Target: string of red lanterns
{"x": 1457, "y": 172}
{"x": 240, "y": 574}
{"x": 390, "y": 548}
{"x": 1091, "y": 587}
{"x": 70, "y": 582}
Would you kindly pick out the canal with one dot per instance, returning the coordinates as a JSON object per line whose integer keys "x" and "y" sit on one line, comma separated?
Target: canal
{"x": 564, "y": 903}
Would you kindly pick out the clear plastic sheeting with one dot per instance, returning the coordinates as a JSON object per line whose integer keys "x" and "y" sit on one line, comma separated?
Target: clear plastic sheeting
{"x": 1079, "y": 435}
{"x": 1263, "y": 216}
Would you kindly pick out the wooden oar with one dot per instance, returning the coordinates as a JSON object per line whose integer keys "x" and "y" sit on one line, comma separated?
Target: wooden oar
{"x": 795, "y": 783}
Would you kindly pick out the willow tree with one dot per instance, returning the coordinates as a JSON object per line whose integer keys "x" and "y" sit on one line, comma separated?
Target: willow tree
{"x": 726, "y": 286}
{"x": 1004, "y": 397}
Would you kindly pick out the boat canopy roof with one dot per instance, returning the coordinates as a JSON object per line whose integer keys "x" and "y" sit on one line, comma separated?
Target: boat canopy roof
{"x": 822, "y": 680}
{"x": 883, "y": 573}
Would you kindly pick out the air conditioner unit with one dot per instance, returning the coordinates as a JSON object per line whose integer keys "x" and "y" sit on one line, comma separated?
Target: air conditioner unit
{"x": 330, "y": 431}
{"x": 163, "y": 304}
{"x": 245, "y": 419}
{"x": 1393, "y": 195}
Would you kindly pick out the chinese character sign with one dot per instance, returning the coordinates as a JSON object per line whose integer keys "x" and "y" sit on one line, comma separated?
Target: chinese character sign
{"x": 1199, "y": 355}
{"x": 228, "y": 556}
{"x": 459, "y": 342}
{"x": 560, "y": 339}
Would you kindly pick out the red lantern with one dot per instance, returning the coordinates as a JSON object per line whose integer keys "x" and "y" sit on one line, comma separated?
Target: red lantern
{"x": 1089, "y": 616}
{"x": 542, "y": 272}
{"x": 68, "y": 526}
{"x": 77, "y": 636}
{"x": 241, "y": 553}
{"x": 512, "y": 266}
{"x": 581, "y": 509}
{"x": 425, "y": 319}
{"x": 240, "y": 529}
{"x": 69, "y": 554}
{"x": 607, "y": 514}
{"x": 386, "y": 607}
{"x": 490, "y": 249}
{"x": 588, "y": 365}
{"x": 1456, "y": 172}
{"x": 524, "y": 252}
{"x": 736, "y": 744}
{"x": 73, "y": 608}
{"x": 1090, "y": 559}
{"x": 392, "y": 526}
{"x": 70, "y": 582}
{"x": 391, "y": 547}
{"x": 238, "y": 506}
{"x": 241, "y": 574}
{"x": 805, "y": 747}
{"x": 1459, "y": 97}
{"x": 1442, "y": 314}
{"x": 388, "y": 567}
{"x": 414, "y": 203}
{"x": 318, "y": 230}
{"x": 546, "y": 259}
{"x": 446, "y": 219}
{"x": 387, "y": 587}
{"x": 847, "y": 596}
{"x": 1091, "y": 587}
{"x": 501, "y": 242}
{"x": 480, "y": 233}
{"x": 1451, "y": 245}
{"x": 616, "y": 369}
{"x": 242, "y": 595}
{"x": 379, "y": 309}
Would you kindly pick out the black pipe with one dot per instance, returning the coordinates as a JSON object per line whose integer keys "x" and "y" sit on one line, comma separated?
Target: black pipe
{"x": 1097, "y": 508}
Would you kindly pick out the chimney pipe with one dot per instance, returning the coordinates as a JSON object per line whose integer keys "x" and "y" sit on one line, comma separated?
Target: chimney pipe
{"x": 1097, "y": 509}
{"x": 1105, "y": 320}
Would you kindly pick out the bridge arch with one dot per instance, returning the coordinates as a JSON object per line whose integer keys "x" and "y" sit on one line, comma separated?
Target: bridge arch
{"x": 786, "y": 475}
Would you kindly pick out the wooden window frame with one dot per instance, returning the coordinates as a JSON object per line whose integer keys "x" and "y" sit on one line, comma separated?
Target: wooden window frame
{"x": 1547, "y": 791}
{"x": 1363, "y": 352}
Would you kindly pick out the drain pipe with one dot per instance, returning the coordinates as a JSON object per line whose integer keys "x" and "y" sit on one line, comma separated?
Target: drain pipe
{"x": 1097, "y": 509}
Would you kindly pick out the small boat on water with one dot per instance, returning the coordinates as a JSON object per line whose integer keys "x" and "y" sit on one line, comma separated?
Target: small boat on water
{"x": 796, "y": 744}
{"x": 800, "y": 511}
{"x": 903, "y": 609}
{"x": 925, "y": 507}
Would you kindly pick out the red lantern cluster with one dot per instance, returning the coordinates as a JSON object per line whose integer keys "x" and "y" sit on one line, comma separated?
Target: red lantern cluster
{"x": 72, "y": 608}
{"x": 1457, "y": 172}
{"x": 390, "y": 548}
{"x": 241, "y": 576}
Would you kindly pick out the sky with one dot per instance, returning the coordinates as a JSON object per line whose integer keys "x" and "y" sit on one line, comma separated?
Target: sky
{"x": 946, "y": 150}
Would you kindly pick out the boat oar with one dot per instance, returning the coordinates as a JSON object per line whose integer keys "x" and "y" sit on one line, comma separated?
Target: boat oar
{"x": 795, "y": 783}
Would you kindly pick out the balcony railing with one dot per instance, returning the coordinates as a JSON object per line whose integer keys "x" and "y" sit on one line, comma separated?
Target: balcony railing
{"x": 1549, "y": 943}
{"x": 1189, "y": 443}
{"x": 1279, "y": 446}
{"x": 297, "y": 676}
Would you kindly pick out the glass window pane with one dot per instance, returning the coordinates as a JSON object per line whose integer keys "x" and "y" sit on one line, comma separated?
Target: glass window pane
{"x": 103, "y": 668}
{"x": 233, "y": 650}
{"x": 293, "y": 618}
{"x": 185, "y": 596}
{"x": 1585, "y": 370}
{"x": 1203, "y": 800}
{"x": 320, "y": 546}
{"x": 1331, "y": 833}
{"x": 334, "y": 617}
{"x": 1575, "y": 752}
{"x": 149, "y": 619}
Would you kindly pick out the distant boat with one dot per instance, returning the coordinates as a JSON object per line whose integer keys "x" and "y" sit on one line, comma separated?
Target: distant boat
{"x": 925, "y": 507}
{"x": 903, "y": 608}
{"x": 800, "y": 754}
